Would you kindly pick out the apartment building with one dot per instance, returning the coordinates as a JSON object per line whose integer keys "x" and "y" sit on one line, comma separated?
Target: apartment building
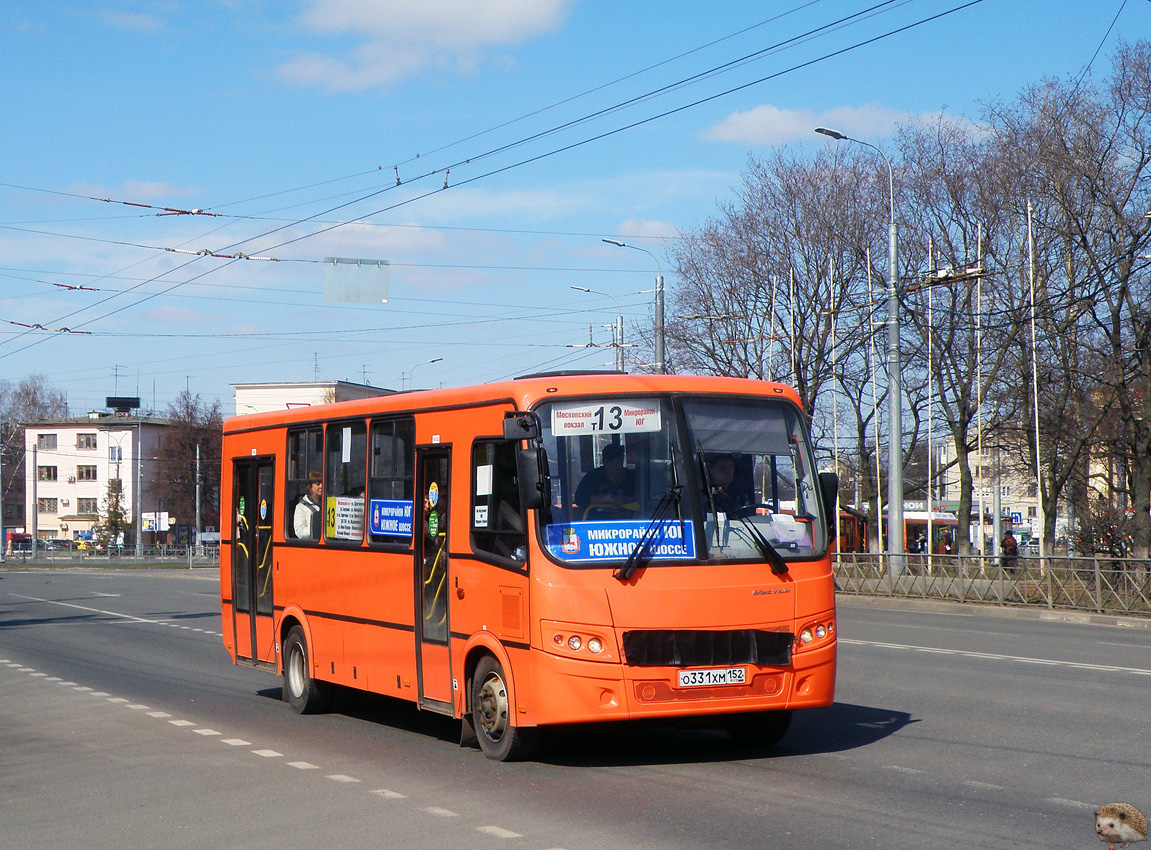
{"x": 70, "y": 464}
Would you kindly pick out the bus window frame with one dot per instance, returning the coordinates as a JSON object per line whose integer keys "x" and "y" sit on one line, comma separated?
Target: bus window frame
{"x": 390, "y": 542}
{"x": 690, "y": 480}
{"x": 486, "y": 555}
{"x": 293, "y": 494}
{"x": 336, "y": 425}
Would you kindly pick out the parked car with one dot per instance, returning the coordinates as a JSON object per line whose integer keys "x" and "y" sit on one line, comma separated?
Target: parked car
{"x": 58, "y": 544}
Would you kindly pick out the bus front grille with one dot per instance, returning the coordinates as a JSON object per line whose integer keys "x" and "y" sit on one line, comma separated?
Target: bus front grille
{"x": 688, "y": 648}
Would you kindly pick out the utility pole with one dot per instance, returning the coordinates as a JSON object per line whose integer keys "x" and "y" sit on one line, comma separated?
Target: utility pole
{"x": 199, "y": 548}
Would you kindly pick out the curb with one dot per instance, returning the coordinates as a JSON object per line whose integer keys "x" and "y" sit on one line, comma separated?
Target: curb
{"x": 1057, "y": 615}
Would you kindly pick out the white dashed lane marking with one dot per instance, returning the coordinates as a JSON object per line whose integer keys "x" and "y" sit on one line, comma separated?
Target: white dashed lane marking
{"x": 207, "y": 732}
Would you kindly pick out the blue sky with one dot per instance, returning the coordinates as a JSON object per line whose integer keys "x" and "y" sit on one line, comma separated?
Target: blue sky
{"x": 289, "y": 121}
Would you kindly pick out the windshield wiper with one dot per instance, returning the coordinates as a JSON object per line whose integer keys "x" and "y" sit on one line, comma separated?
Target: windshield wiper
{"x": 769, "y": 552}
{"x": 671, "y": 497}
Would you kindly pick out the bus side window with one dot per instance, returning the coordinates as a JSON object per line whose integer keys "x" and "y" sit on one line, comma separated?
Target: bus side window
{"x": 497, "y": 519}
{"x": 305, "y": 462}
{"x": 391, "y": 481}
{"x": 344, "y": 481}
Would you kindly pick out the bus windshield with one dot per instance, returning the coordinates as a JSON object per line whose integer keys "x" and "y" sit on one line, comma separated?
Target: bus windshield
{"x": 690, "y": 479}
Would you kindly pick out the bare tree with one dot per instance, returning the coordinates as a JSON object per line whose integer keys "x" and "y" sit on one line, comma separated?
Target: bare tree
{"x": 962, "y": 304}
{"x": 192, "y": 423}
{"x": 1081, "y": 156}
{"x": 30, "y": 400}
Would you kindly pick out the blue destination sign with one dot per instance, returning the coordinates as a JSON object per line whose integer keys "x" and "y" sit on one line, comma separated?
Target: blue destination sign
{"x": 615, "y": 540}
{"x": 391, "y": 517}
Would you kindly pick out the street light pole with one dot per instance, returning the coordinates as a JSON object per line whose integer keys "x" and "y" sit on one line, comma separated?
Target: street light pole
{"x": 895, "y": 401}
{"x": 660, "y": 363}
{"x": 618, "y": 325}
{"x": 411, "y": 385}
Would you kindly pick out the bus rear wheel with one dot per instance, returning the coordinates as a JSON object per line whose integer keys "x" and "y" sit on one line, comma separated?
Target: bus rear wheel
{"x": 758, "y": 728}
{"x": 303, "y": 693}
{"x": 499, "y": 738}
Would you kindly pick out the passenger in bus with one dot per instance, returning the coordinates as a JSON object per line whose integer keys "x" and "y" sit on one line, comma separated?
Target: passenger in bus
{"x": 608, "y": 491}
{"x": 730, "y": 498}
{"x": 306, "y": 516}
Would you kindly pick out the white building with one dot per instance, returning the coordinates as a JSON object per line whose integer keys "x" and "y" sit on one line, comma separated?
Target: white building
{"x": 259, "y": 398}
{"x": 69, "y": 464}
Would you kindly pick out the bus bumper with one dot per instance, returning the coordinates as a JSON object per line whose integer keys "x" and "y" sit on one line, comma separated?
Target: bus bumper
{"x": 577, "y": 691}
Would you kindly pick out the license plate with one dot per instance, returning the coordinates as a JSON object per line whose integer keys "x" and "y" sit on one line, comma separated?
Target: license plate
{"x": 708, "y": 678}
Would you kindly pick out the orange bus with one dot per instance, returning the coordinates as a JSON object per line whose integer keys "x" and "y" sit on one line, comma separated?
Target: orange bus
{"x": 852, "y": 530}
{"x": 561, "y": 548}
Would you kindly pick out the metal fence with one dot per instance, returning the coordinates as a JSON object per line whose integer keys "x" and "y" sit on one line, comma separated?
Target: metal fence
{"x": 167, "y": 556}
{"x": 1102, "y": 584}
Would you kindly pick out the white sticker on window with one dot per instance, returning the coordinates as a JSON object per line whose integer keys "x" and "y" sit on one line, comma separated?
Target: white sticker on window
{"x": 346, "y": 457}
{"x": 481, "y": 518}
{"x": 484, "y": 480}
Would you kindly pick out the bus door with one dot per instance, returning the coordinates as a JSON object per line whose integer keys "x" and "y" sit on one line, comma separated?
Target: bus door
{"x": 433, "y": 501}
{"x": 253, "y": 493}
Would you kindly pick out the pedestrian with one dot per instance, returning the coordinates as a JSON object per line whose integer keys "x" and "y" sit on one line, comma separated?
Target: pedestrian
{"x": 1009, "y": 549}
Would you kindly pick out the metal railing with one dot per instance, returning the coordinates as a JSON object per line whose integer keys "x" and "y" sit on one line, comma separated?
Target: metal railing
{"x": 1102, "y": 584}
{"x": 166, "y": 555}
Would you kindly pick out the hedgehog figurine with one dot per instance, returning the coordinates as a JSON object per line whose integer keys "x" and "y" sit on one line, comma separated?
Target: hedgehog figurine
{"x": 1120, "y": 823}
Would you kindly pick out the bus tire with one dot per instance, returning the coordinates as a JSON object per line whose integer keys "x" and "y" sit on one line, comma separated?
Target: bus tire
{"x": 492, "y": 716}
{"x": 758, "y": 728}
{"x": 304, "y": 694}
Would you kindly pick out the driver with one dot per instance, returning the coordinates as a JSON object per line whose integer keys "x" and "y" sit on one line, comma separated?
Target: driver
{"x": 611, "y": 486}
{"x": 729, "y": 497}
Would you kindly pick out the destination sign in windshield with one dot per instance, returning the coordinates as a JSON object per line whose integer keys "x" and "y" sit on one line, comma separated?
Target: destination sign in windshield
{"x": 618, "y": 416}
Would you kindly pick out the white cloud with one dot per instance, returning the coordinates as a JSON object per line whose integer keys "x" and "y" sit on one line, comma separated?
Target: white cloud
{"x": 770, "y": 125}
{"x": 134, "y": 21}
{"x": 402, "y": 37}
{"x": 633, "y": 228}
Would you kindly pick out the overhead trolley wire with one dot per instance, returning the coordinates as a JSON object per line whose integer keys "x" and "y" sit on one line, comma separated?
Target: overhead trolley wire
{"x": 509, "y": 167}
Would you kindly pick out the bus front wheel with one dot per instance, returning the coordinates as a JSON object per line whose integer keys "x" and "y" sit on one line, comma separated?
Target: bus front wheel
{"x": 303, "y": 693}
{"x": 492, "y": 715}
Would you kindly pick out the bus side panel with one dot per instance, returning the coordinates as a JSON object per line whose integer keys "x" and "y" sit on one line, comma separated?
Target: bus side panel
{"x": 378, "y": 635}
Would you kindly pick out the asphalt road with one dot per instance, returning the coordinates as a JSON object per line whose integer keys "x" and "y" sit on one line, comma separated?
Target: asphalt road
{"x": 124, "y": 724}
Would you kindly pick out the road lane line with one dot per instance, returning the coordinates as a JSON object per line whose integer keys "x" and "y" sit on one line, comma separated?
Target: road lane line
{"x": 146, "y": 620}
{"x": 989, "y": 656}
{"x": 498, "y": 832}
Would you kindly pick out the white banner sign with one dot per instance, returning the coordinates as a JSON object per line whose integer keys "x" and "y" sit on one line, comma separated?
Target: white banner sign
{"x": 617, "y": 416}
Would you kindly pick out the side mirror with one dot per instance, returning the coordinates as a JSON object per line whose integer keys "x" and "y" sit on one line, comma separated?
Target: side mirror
{"x": 535, "y": 482}
{"x": 828, "y": 490}
{"x": 521, "y": 425}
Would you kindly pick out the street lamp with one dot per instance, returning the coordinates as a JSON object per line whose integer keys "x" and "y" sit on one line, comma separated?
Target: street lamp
{"x": 618, "y": 334}
{"x": 895, "y": 402}
{"x": 660, "y": 364}
{"x": 413, "y": 369}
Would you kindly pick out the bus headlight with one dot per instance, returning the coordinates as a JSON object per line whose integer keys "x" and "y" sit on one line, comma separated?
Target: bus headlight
{"x": 578, "y": 640}
{"x": 806, "y": 636}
